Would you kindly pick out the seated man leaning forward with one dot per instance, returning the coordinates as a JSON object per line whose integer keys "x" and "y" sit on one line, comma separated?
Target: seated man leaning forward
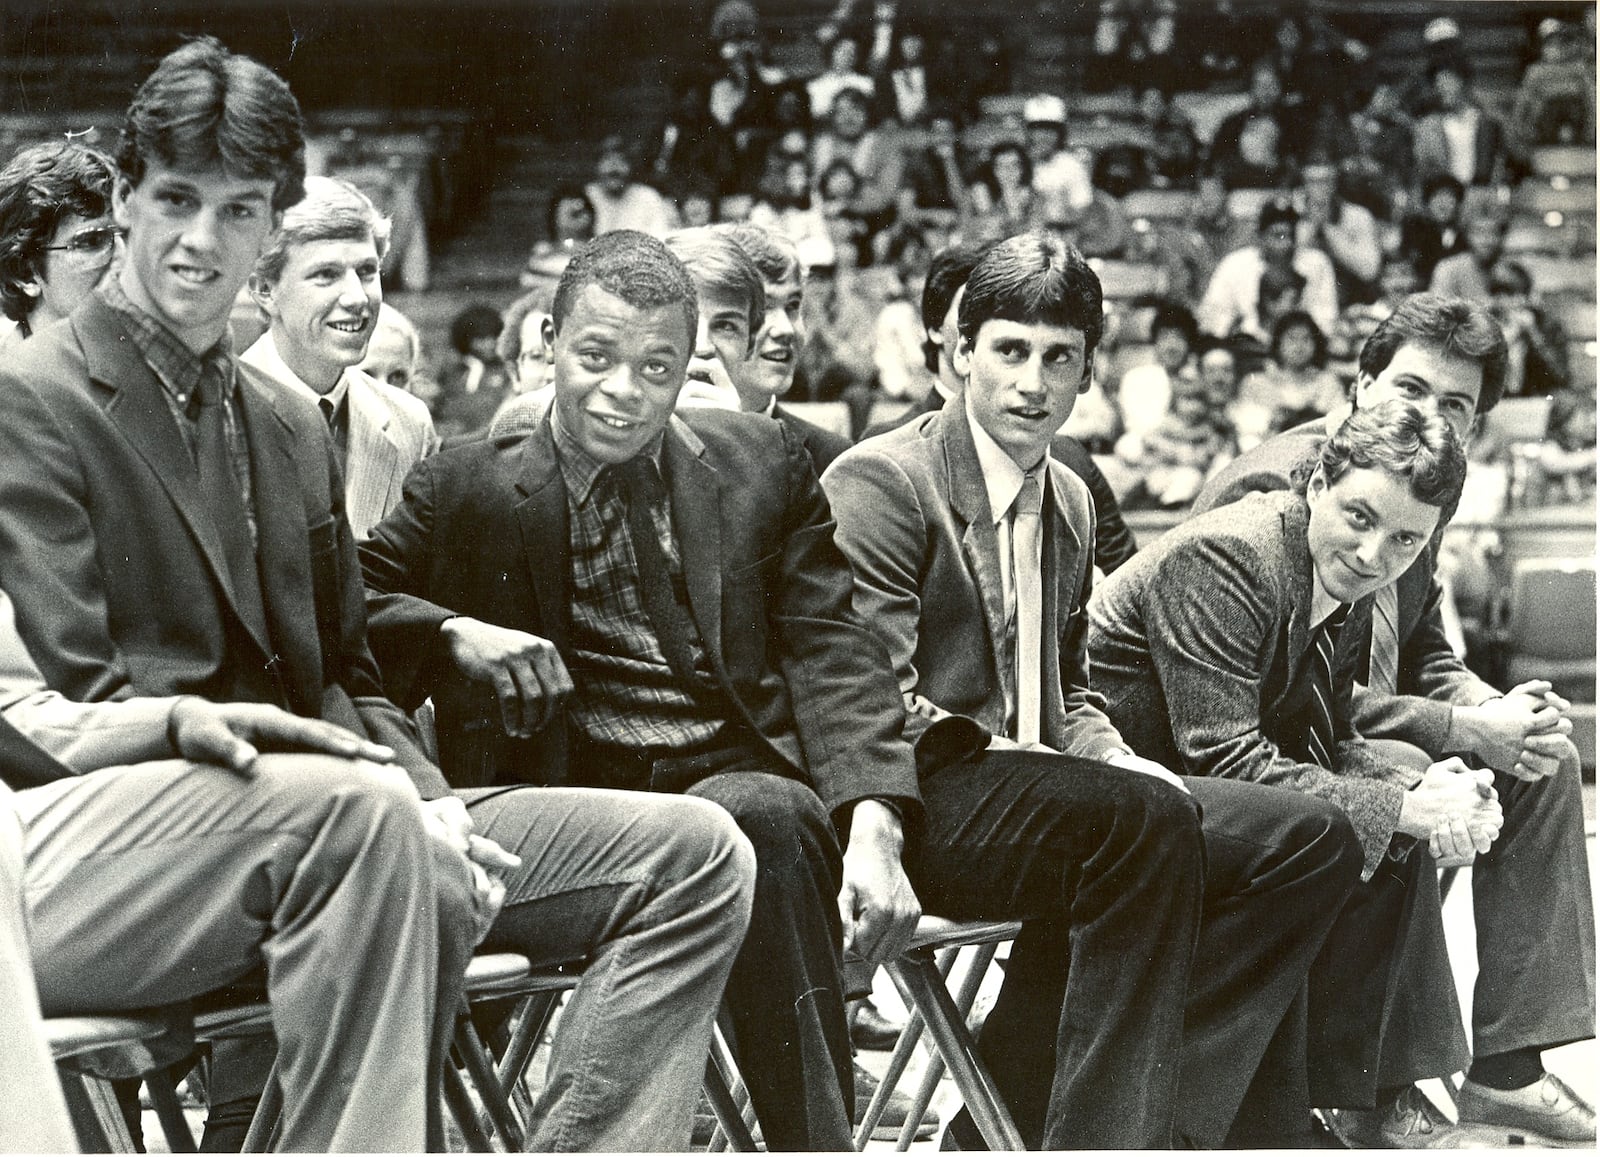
{"x": 1253, "y": 682}
{"x": 1530, "y": 893}
{"x": 973, "y": 556}
{"x": 629, "y": 599}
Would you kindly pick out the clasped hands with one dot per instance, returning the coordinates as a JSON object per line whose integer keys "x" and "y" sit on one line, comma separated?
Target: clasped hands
{"x": 1456, "y": 809}
{"x": 1523, "y": 732}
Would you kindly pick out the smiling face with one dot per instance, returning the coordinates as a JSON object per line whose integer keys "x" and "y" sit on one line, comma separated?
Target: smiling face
{"x": 1427, "y": 377}
{"x": 390, "y": 357}
{"x": 1364, "y": 531}
{"x": 769, "y": 370}
{"x": 324, "y": 307}
{"x": 192, "y": 239}
{"x": 618, "y": 369}
{"x": 1022, "y": 379}
{"x": 71, "y": 266}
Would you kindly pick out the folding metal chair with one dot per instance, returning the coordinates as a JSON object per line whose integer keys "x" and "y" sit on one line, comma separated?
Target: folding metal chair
{"x": 920, "y": 973}
{"x": 91, "y": 1102}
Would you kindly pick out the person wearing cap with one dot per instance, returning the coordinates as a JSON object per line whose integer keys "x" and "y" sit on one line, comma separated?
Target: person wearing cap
{"x": 1058, "y": 174}
{"x": 1554, "y": 104}
{"x": 1232, "y": 300}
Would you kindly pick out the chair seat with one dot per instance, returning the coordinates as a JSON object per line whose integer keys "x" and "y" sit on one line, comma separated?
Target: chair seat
{"x": 938, "y": 932}
{"x": 69, "y": 1036}
{"x": 507, "y": 973}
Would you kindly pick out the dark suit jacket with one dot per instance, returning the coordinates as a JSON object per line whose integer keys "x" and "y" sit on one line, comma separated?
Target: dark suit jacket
{"x": 482, "y": 531}
{"x": 1431, "y": 678}
{"x": 1113, "y": 541}
{"x": 116, "y": 569}
{"x": 1200, "y": 644}
{"x": 914, "y": 521}
{"x": 823, "y": 445}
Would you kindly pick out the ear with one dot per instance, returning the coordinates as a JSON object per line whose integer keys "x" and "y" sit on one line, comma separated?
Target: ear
{"x": 1317, "y": 485}
{"x": 261, "y": 293}
{"x": 120, "y": 193}
{"x": 1088, "y": 375}
{"x": 547, "y": 337}
{"x": 1358, "y": 392}
{"x": 961, "y": 358}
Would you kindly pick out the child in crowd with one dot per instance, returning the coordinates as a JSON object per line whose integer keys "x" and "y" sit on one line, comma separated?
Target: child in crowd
{"x": 1567, "y": 459}
{"x": 1145, "y": 391}
{"x": 1219, "y": 376}
{"x": 1193, "y": 439}
{"x": 1296, "y": 385}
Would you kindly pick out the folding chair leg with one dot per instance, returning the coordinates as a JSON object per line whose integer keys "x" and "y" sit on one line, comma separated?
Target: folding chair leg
{"x": 164, "y": 1098}
{"x": 96, "y": 1116}
{"x": 463, "y": 1110}
{"x": 722, "y": 1077}
{"x": 899, "y": 1061}
{"x": 526, "y": 1034}
{"x": 918, "y": 979}
{"x": 480, "y": 1066}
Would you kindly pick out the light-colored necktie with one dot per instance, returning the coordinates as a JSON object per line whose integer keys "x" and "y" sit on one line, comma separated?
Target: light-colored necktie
{"x": 1383, "y": 666}
{"x": 1028, "y": 582}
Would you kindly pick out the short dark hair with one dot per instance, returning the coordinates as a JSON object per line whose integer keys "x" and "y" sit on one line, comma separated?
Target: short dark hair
{"x": 717, "y": 263}
{"x": 1454, "y": 326}
{"x": 1171, "y": 315}
{"x": 1034, "y": 278}
{"x": 947, "y": 273}
{"x": 634, "y": 266}
{"x": 1405, "y": 440}
{"x": 475, "y": 321}
{"x": 565, "y": 191}
{"x": 204, "y": 106}
{"x": 1300, "y": 319}
{"x": 1443, "y": 181}
{"x": 776, "y": 256}
{"x": 42, "y": 186}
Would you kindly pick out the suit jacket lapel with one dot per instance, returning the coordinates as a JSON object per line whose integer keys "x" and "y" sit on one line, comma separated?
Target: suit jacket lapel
{"x": 979, "y": 543}
{"x": 542, "y": 515}
{"x": 374, "y": 457}
{"x": 1300, "y": 579}
{"x": 697, "y": 504}
{"x": 283, "y": 543}
{"x": 134, "y": 401}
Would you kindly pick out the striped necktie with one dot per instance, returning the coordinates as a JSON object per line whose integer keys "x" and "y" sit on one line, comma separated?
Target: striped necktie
{"x": 1383, "y": 666}
{"x": 1321, "y": 735}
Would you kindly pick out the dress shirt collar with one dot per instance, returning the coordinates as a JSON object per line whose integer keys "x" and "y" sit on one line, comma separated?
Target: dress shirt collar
{"x": 264, "y": 356}
{"x": 579, "y": 468}
{"x": 771, "y": 408}
{"x": 1002, "y": 477}
{"x": 1322, "y": 603}
{"x": 175, "y": 364}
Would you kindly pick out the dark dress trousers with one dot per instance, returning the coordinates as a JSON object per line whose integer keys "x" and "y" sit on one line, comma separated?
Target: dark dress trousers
{"x": 1083, "y": 1037}
{"x": 483, "y": 531}
{"x": 1531, "y": 897}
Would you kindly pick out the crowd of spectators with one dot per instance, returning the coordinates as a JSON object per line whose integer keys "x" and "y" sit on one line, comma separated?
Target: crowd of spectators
{"x": 1306, "y": 192}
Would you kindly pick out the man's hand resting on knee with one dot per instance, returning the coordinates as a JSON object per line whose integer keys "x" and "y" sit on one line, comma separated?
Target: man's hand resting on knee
{"x": 448, "y": 821}
{"x": 877, "y": 906}
{"x": 231, "y": 735}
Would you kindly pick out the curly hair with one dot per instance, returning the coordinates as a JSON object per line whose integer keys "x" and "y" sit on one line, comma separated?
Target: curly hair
{"x": 41, "y": 187}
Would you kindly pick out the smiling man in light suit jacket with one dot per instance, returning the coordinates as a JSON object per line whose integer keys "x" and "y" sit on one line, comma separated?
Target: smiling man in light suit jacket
{"x": 317, "y": 282}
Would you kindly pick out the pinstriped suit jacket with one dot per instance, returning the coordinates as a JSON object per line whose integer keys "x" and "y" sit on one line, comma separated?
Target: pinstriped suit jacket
{"x": 390, "y": 432}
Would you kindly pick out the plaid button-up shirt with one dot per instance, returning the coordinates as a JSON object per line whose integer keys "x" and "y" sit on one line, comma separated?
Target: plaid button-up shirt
{"x": 626, "y": 694}
{"x": 179, "y": 370}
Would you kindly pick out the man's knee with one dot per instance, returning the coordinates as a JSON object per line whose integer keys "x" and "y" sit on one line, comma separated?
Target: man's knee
{"x": 700, "y": 841}
{"x": 775, "y": 813}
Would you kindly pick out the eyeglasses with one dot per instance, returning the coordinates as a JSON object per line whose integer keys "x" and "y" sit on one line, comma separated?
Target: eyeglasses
{"x": 89, "y": 243}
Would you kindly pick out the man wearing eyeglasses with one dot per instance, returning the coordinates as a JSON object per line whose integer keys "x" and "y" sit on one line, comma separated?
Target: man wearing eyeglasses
{"x": 56, "y": 233}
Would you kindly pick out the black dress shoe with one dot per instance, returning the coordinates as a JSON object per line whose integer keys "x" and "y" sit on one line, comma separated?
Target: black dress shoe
{"x": 872, "y": 1031}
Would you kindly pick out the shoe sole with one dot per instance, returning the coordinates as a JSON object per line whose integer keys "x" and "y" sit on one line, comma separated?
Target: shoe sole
{"x": 1480, "y": 1135}
{"x": 886, "y": 1133}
